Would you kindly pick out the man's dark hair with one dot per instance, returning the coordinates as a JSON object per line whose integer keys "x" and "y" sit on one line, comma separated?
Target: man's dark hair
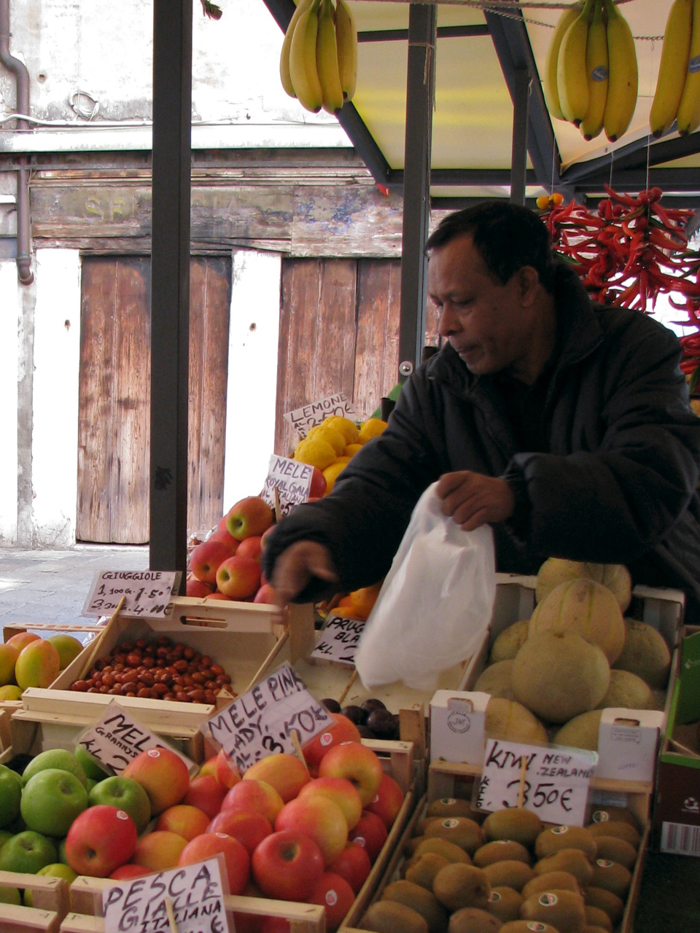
{"x": 506, "y": 235}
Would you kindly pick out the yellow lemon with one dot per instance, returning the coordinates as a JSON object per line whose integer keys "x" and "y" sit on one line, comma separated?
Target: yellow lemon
{"x": 373, "y": 427}
{"x": 352, "y": 449}
{"x": 331, "y": 473}
{"x": 346, "y": 427}
{"x": 331, "y": 436}
{"x": 316, "y": 451}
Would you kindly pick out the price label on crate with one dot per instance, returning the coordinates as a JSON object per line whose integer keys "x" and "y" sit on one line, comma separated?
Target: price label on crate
{"x": 147, "y": 593}
{"x": 303, "y": 419}
{"x": 193, "y": 895}
{"x": 555, "y": 784}
{"x": 260, "y": 723}
{"x": 292, "y": 480}
{"x": 339, "y": 639}
{"x": 117, "y": 738}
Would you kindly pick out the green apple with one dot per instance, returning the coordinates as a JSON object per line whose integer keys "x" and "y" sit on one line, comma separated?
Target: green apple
{"x": 10, "y": 795}
{"x": 51, "y": 800}
{"x": 62, "y": 852}
{"x": 28, "y": 852}
{"x": 55, "y": 870}
{"x": 125, "y": 794}
{"x": 68, "y": 648}
{"x": 10, "y": 896}
{"x": 5, "y": 834}
{"x": 55, "y": 758}
{"x": 91, "y": 765}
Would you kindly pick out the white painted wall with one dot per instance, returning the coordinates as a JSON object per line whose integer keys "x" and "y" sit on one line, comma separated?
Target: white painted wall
{"x": 252, "y": 372}
{"x": 56, "y": 372}
{"x": 10, "y": 310}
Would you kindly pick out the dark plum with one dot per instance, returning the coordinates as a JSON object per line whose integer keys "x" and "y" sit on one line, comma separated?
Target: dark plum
{"x": 371, "y": 704}
{"x": 331, "y": 705}
{"x": 355, "y": 714}
{"x": 382, "y": 723}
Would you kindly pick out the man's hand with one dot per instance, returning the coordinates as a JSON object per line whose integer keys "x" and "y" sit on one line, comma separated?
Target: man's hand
{"x": 297, "y": 565}
{"x": 474, "y": 500}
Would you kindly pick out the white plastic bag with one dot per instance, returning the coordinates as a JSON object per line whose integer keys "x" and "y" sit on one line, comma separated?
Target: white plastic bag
{"x": 435, "y": 604}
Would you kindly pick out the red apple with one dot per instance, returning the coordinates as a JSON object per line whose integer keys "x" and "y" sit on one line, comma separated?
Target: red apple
{"x": 248, "y": 826}
{"x": 21, "y": 640}
{"x": 235, "y": 855}
{"x": 238, "y": 577}
{"x": 275, "y": 925}
{"x": 254, "y": 795}
{"x": 221, "y": 534}
{"x": 318, "y": 484}
{"x": 249, "y": 516}
{"x": 357, "y": 764}
{"x": 388, "y": 801}
{"x": 197, "y": 588}
{"x": 209, "y": 767}
{"x": 284, "y": 772}
{"x": 321, "y": 819}
{"x": 335, "y": 894}
{"x": 126, "y": 872}
{"x": 186, "y": 821}
{"x": 162, "y": 774}
{"x": 370, "y": 833}
{"x": 287, "y": 865}
{"x": 342, "y": 730}
{"x": 159, "y": 850}
{"x": 100, "y": 839}
{"x": 264, "y": 537}
{"x": 267, "y": 594}
{"x": 353, "y": 864}
{"x": 250, "y": 547}
{"x": 227, "y": 774}
{"x": 206, "y": 794}
{"x": 206, "y": 559}
{"x": 218, "y": 595}
{"x": 341, "y": 792}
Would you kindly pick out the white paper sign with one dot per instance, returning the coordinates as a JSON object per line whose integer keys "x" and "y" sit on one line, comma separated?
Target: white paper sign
{"x": 195, "y": 892}
{"x": 260, "y": 722}
{"x": 556, "y": 780}
{"x": 118, "y": 738}
{"x": 293, "y": 482}
{"x": 148, "y": 592}
{"x": 339, "y": 639}
{"x": 303, "y": 419}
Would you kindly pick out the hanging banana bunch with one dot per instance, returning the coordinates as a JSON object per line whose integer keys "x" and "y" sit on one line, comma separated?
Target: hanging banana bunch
{"x": 677, "y": 96}
{"x": 591, "y": 76}
{"x": 318, "y": 63}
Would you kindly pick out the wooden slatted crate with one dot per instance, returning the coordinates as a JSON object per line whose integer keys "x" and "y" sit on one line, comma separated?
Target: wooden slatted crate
{"x": 50, "y": 904}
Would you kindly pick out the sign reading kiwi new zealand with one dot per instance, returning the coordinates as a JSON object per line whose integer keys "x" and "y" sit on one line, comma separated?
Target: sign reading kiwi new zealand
{"x": 553, "y": 782}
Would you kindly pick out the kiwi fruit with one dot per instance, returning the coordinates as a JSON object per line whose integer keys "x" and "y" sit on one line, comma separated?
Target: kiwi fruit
{"x": 423, "y": 871}
{"x": 448, "y": 850}
{"x": 390, "y": 916}
{"x": 459, "y": 885}
{"x": 595, "y": 917}
{"x": 594, "y": 929}
{"x": 562, "y": 909}
{"x": 509, "y": 874}
{"x": 460, "y": 830}
{"x": 573, "y": 861}
{"x": 514, "y": 823}
{"x": 618, "y": 829}
{"x": 501, "y": 850}
{"x": 565, "y": 837}
{"x": 645, "y": 653}
{"x": 512, "y": 722}
{"x": 495, "y": 680}
{"x": 605, "y": 900}
{"x": 423, "y": 902}
{"x": 581, "y": 731}
{"x": 450, "y": 806}
{"x": 504, "y": 903}
{"x": 525, "y": 926}
{"x": 423, "y": 824}
{"x": 617, "y": 850}
{"x": 612, "y": 876}
{"x": 473, "y": 920}
{"x": 628, "y": 691}
{"x": 509, "y": 642}
{"x": 619, "y": 814}
{"x": 561, "y": 880}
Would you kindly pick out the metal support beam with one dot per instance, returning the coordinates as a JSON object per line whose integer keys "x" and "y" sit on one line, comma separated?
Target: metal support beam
{"x": 634, "y": 155}
{"x": 444, "y": 32}
{"x": 170, "y": 281}
{"x": 420, "y": 99}
{"x": 518, "y": 159}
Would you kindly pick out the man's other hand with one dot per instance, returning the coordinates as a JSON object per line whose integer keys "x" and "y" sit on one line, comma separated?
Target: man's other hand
{"x": 474, "y": 500}
{"x": 297, "y": 565}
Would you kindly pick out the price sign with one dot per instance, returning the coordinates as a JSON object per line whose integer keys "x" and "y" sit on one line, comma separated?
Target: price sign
{"x": 339, "y": 639}
{"x": 193, "y": 894}
{"x": 118, "y": 738}
{"x": 303, "y": 419}
{"x": 260, "y": 723}
{"x": 555, "y": 785}
{"x": 147, "y": 592}
{"x": 292, "y": 480}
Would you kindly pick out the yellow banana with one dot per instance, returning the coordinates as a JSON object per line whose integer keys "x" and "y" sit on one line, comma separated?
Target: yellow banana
{"x": 286, "y": 46}
{"x": 689, "y": 108}
{"x": 549, "y": 84}
{"x": 327, "y": 59}
{"x": 673, "y": 68}
{"x": 571, "y": 68}
{"x": 346, "y": 38}
{"x": 623, "y": 74}
{"x": 596, "y": 74}
{"x": 302, "y": 60}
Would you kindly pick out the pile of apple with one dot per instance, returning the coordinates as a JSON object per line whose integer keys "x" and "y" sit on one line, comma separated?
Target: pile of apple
{"x": 288, "y": 829}
{"x": 26, "y": 660}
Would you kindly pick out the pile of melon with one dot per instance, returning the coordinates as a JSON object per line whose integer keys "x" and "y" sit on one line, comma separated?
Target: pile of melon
{"x": 551, "y": 676}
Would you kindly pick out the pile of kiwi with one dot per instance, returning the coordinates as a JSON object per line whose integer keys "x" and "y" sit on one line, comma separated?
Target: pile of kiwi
{"x": 372, "y": 718}
{"x": 469, "y": 872}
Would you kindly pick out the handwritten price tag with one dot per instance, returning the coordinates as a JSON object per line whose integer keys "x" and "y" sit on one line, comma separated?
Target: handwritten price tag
{"x": 303, "y": 419}
{"x": 196, "y": 896}
{"x": 556, "y": 780}
{"x": 339, "y": 639}
{"x": 292, "y": 480}
{"x": 260, "y": 722}
{"x": 148, "y": 592}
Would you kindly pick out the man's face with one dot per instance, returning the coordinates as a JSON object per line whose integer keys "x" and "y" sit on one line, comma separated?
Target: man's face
{"x": 483, "y": 320}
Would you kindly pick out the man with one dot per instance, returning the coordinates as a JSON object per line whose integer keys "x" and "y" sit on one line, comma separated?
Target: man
{"x": 562, "y": 424}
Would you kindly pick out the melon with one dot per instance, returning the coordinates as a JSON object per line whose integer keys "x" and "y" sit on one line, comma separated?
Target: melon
{"x": 555, "y": 571}
{"x": 509, "y": 642}
{"x": 511, "y": 722}
{"x": 645, "y": 653}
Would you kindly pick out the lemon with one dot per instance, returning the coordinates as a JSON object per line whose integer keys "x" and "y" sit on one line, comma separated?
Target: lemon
{"x": 315, "y": 451}
{"x": 333, "y": 437}
{"x": 331, "y": 473}
{"x": 346, "y": 427}
{"x": 352, "y": 449}
{"x": 373, "y": 427}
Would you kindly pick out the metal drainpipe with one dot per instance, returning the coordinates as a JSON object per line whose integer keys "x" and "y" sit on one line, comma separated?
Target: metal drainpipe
{"x": 18, "y": 68}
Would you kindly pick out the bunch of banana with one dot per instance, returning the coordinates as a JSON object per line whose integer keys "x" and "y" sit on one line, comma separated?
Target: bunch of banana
{"x": 591, "y": 76}
{"x": 318, "y": 64}
{"x": 677, "y": 94}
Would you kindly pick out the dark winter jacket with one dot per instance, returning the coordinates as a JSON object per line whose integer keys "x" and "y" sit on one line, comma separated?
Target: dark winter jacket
{"x": 614, "y": 480}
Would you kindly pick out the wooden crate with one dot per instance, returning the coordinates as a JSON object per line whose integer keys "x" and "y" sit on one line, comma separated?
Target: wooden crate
{"x": 50, "y": 899}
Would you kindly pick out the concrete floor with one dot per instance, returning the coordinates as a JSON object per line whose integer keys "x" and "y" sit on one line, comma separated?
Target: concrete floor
{"x": 52, "y": 586}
